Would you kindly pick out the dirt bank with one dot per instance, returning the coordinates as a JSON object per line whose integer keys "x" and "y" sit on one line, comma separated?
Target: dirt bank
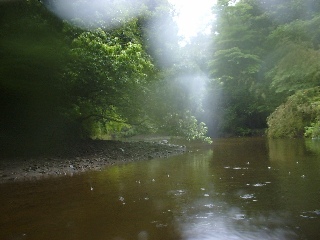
{"x": 87, "y": 155}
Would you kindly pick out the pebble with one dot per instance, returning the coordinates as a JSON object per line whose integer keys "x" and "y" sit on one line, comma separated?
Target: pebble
{"x": 95, "y": 156}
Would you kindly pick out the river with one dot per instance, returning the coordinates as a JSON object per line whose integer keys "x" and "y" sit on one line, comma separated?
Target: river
{"x": 245, "y": 188}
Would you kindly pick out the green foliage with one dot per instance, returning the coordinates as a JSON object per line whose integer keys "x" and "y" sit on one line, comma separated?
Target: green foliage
{"x": 313, "y": 131}
{"x": 264, "y": 51}
{"x": 298, "y": 69}
{"x": 286, "y": 11}
{"x": 186, "y": 126}
{"x": 61, "y": 82}
{"x": 295, "y": 62}
{"x": 106, "y": 75}
{"x": 111, "y": 69}
{"x": 297, "y": 117}
{"x": 237, "y": 68}
{"x": 234, "y": 65}
{"x": 176, "y": 99}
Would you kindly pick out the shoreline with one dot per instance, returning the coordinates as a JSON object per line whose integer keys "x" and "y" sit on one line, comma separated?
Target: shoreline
{"x": 93, "y": 155}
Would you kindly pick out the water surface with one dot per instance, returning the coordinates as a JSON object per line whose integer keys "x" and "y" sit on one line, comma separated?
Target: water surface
{"x": 234, "y": 189}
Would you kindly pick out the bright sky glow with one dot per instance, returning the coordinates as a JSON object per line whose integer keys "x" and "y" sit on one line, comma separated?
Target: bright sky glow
{"x": 194, "y": 16}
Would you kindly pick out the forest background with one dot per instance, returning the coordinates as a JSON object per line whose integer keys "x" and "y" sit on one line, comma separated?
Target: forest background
{"x": 65, "y": 77}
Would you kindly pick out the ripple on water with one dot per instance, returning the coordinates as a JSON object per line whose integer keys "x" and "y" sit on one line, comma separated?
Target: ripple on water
{"x": 177, "y": 192}
{"x": 209, "y": 205}
{"x": 159, "y": 224}
{"x": 310, "y": 214}
{"x": 239, "y": 217}
{"x": 247, "y": 196}
{"x": 259, "y": 184}
{"x": 240, "y": 168}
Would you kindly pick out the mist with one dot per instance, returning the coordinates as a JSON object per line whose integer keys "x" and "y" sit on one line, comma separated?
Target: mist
{"x": 105, "y": 14}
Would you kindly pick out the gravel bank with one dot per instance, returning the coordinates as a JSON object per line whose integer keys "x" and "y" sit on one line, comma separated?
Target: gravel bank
{"x": 88, "y": 155}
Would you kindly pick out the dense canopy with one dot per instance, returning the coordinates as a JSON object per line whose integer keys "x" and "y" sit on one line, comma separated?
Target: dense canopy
{"x": 111, "y": 72}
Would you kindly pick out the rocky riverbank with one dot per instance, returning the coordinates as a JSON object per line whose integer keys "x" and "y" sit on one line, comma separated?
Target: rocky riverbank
{"x": 86, "y": 156}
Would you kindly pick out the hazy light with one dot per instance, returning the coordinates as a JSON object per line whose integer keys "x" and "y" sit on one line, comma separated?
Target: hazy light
{"x": 195, "y": 86}
{"x": 193, "y": 17}
{"x": 96, "y": 13}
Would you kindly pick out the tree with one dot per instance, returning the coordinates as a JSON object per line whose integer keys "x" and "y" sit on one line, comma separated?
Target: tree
{"x": 66, "y": 79}
{"x": 295, "y": 64}
{"x": 236, "y": 65}
{"x": 105, "y": 77}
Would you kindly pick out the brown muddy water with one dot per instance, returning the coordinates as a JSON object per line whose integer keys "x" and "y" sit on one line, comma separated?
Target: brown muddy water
{"x": 234, "y": 189}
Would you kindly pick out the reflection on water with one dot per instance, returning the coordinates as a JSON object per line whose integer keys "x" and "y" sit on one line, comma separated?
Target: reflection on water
{"x": 235, "y": 189}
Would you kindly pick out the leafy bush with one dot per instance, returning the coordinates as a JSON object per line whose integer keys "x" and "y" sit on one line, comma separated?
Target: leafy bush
{"x": 186, "y": 126}
{"x": 313, "y": 131}
{"x": 297, "y": 117}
